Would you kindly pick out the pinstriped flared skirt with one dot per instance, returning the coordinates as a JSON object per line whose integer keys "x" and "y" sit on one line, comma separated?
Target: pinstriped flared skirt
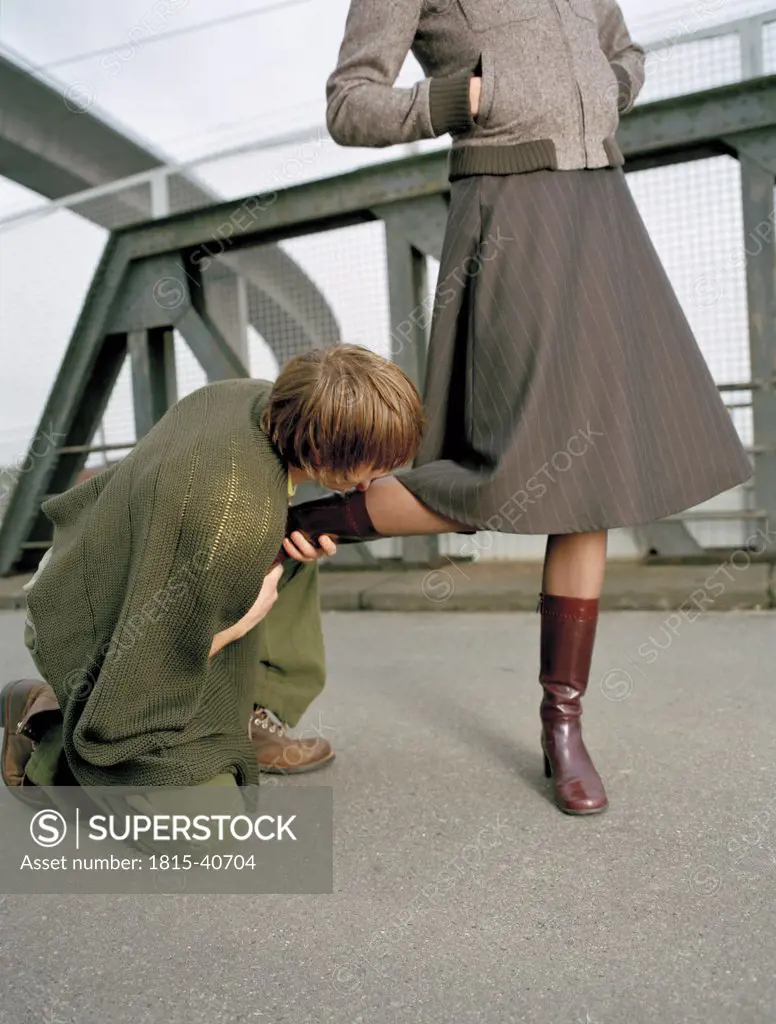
{"x": 565, "y": 391}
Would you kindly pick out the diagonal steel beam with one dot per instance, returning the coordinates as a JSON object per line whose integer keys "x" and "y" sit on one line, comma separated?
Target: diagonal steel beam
{"x": 89, "y": 355}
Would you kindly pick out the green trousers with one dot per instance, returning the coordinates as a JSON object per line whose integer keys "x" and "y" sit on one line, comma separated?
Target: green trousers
{"x": 290, "y": 674}
{"x": 292, "y": 668}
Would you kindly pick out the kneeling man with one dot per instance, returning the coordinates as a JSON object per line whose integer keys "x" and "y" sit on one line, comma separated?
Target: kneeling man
{"x": 142, "y": 619}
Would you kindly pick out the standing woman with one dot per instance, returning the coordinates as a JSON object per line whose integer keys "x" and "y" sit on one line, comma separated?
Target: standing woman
{"x": 565, "y": 391}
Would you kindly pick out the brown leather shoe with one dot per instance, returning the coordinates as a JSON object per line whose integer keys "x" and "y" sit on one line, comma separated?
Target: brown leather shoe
{"x": 567, "y": 637}
{"x": 27, "y": 708}
{"x": 278, "y": 754}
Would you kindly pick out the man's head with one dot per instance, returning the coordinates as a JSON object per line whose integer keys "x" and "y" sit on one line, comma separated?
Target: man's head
{"x": 344, "y": 415}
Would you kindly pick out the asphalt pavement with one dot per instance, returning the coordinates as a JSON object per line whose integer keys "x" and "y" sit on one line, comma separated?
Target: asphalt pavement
{"x": 462, "y": 896}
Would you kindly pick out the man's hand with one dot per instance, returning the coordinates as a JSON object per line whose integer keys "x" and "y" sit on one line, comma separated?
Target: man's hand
{"x": 258, "y": 610}
{"x": 299, "y": 548}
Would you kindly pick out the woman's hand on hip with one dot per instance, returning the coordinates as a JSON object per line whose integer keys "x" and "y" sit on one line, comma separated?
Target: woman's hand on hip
{"x": 475, "y": 89}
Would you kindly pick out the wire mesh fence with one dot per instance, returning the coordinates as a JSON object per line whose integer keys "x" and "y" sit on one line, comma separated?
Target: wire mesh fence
{"x": 118, "y": 423}
{"x": 682, "y": 67}
{"x": 769, "y": 47}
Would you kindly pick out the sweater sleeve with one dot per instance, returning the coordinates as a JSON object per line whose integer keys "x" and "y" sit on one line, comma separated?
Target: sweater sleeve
{"x": 627, "y": 58}
{"x": 364, "y": 108}
{"x": 156, "y": 673}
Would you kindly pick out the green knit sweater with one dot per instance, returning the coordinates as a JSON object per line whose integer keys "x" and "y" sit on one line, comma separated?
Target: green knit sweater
{"x": 150, "y": 560}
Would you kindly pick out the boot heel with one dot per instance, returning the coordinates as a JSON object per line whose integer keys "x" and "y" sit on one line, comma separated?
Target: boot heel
{"x": 547, "y": 767}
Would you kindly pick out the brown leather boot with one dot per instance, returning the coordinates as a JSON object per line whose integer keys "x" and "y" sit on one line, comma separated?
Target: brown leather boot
{"x": 343, "y": 517}
{"x": 567, "y": 637}
{"x": 279, "y": 754}
{"x": 27, "y": 708}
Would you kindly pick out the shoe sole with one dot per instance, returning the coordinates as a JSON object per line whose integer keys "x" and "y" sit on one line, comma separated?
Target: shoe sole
{"x": 271, "y": 769}
{"x": 593, "y": 810}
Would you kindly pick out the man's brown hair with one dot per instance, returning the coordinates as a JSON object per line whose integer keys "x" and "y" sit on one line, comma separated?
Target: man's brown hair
{"x": 343, "y": 408}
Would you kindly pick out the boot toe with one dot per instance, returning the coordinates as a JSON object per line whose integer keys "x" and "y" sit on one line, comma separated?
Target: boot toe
{"x": 580, "y": 798}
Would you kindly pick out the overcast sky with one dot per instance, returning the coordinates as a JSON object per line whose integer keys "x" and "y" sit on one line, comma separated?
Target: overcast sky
{"x": 199, "y": 92}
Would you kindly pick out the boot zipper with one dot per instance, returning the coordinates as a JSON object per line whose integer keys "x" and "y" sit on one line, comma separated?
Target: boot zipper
{"x": 577, "y": 90}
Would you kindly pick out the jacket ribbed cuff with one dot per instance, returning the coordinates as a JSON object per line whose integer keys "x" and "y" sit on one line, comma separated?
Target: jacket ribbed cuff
{"x": 625, "y": 98}
{"x": 450, "y": 104}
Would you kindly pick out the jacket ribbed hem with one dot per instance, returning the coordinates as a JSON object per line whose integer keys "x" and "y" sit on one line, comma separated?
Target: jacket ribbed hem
{"x": 520, "y": 158}
{"x": 467, "y": 161}
{"x": 450, "y": 103}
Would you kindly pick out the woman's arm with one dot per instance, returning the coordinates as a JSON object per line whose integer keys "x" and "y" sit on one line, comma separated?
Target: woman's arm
{"x": 363, "y": 107}
{"x": 625, "y": 56}
{"x": 258, "y": 611}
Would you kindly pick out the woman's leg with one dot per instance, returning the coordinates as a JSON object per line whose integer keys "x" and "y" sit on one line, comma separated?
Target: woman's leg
{"x": 396, "y": 512}
{"x": 574, "y": 564}
{"x": 385, "y": 509}
{"x": 572, "y": 581}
